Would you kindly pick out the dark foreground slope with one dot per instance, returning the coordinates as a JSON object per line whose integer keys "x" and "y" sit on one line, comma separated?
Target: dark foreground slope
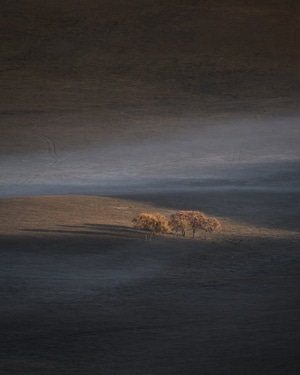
{"x": 81, "y": 292}
{"x": 106, "y": 303}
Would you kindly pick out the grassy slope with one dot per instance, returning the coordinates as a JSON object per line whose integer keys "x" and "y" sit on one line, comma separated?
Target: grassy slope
{"x": 68, "y": 214}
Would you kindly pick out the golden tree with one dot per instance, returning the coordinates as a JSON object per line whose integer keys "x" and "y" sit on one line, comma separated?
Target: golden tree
{"x": 196, "y": 220}
{"x": 183, "y": 220}
{"x": 211, "y": 224}
{"x": 151, "y": 223}
{"x": 179, "y": 222}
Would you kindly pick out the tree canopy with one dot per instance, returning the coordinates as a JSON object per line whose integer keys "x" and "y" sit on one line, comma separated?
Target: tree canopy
{"x": 152, "y": 223}
{"x": 211, "y": 224}
{"x": 183, "y": 220}
{"x": 179, "y": 221}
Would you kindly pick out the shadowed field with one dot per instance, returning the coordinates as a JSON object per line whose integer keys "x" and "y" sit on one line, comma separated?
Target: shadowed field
{"x": 82, "y": 291}
{"x": 88, "y": 304}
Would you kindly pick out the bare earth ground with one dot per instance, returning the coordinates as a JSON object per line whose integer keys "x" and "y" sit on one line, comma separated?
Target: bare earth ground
{"x": 111, "y": 108}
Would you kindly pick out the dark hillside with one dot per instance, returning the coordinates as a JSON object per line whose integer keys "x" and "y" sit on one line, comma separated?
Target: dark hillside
{"x": 149, "y": 54}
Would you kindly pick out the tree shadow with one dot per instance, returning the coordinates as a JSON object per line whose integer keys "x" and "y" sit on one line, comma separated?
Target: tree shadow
{"x": 102, "y": 227}
{"x": 90, "y": 230}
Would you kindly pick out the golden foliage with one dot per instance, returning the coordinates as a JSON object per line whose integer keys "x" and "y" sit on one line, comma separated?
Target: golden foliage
{"x": 153, "y": 223}
{"x": 179, "y": 221}
{"x": 211, "y": 224}
{"x": 183, "y": 220}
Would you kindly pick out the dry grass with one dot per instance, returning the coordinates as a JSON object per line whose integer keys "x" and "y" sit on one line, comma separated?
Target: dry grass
{"x": 53, "y": 212}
